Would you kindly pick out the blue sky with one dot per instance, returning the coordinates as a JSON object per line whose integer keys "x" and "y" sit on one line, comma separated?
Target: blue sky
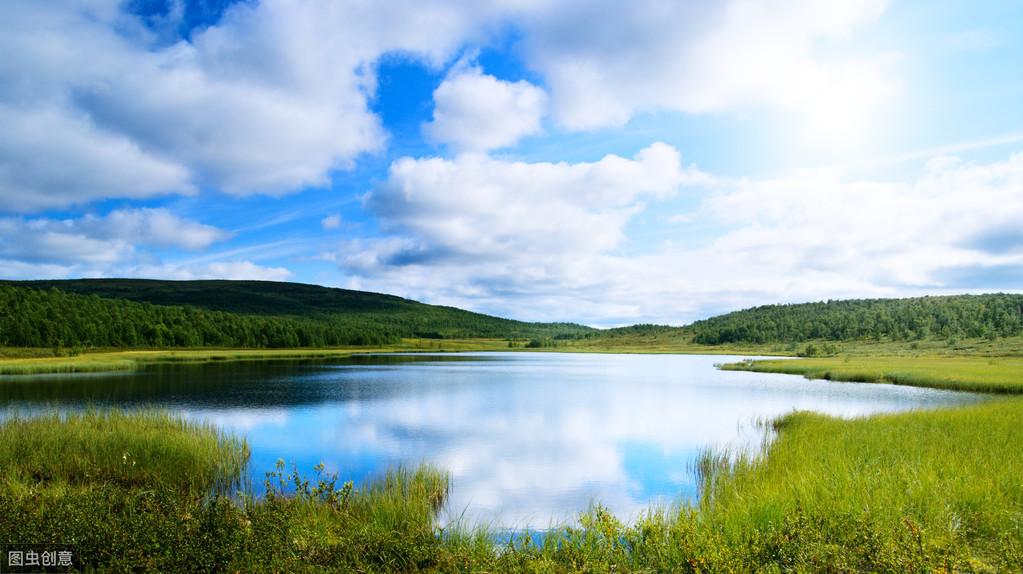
{"x": 601, "y": 162}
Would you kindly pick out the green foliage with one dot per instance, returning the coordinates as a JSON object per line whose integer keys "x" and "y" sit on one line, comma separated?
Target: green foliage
{"x": 231, "y": 314}
{"x": 948, "y": 318}
{"x": 821, "y": 350}
{"x": 544, "y": 343}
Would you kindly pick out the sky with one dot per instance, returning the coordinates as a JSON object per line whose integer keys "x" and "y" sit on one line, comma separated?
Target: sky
{"x": 601, "y": 162}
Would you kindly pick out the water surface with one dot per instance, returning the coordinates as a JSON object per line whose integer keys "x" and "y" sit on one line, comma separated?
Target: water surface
{"x": 530, "y": 439}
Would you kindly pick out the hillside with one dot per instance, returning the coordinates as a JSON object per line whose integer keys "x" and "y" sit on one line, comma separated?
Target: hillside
{"x": 945, "y": 317}
{"x": 149, "y": 313}
{"x": 251, "y": 297}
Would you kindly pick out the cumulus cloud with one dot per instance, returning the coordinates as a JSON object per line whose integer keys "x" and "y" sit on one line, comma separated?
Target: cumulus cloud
{"x": 476, "y": 206}
{"x": 117, "y": 244}
{"x": 53, "y": 158}
{"x": 271, "y": 98}
{"x": 889, "y": 235}
{"x": 275, "y": 95}
{"x": 101, "y": 240}
{"x": 698, "y": 57}
{"x": 485, "y": 229}
{"x": 476, "y": 112}
{"x": 545, "y": 241}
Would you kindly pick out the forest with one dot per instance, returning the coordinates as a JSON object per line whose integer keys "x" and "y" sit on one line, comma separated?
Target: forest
{"x": 944, "y": 317}
{"x": 132, "y": 313}
{"x": 233, "y": 314}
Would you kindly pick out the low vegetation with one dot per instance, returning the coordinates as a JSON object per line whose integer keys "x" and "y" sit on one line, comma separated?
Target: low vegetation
{"x": 147, "y": 492}
{"x": 934, "y": 491}
{"x": 103, "y": 361}
{"x": 989, "y": 374}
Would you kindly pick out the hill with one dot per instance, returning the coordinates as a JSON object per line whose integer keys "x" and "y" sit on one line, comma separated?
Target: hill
{"x": 150, "y": 313}
{"x": 946, "y": 317}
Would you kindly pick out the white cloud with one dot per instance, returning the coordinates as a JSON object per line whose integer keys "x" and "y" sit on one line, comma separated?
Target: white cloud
{"x": 270, "y": 99}
{"x": 477, "y": 112}
{"x": 547, "y": 241}
{"x": 274, "y": 97}
{"x": 698, "y": 57}
{"x": 101, "y": 240}
{"x": 217, "y": 270}
{"x": 53, "y": 158}
{"x": 490, "y": 233}
{"x": 331, "y": 222}
{"x": 116, "y": 244}
{"x": 154, "y": 227}
{"x": 476, "y": 206}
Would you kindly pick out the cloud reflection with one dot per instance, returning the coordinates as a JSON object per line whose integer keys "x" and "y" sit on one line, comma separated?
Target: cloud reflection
{"x": 532, "y": 439}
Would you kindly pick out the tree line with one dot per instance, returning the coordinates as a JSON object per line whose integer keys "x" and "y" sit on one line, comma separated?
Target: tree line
{"x": 32, "y": 317}
{"x": 945, "y": 317}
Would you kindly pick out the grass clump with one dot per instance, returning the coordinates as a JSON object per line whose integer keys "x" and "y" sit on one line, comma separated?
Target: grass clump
{"x": 150, "y": 449}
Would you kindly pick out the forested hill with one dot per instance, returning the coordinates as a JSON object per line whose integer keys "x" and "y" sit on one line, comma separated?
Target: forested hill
{"x": 148, "y": 313}
{"x": 957, "y": 316}
{"x": 253, "y": 297}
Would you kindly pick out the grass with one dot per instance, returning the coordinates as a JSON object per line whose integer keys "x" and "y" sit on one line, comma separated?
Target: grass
{"x": 146, "y": 492}
{"x": 32, "y": 363}
{"x": 21, "y": 361}
{"x": 920, "y": 491}
{"x": 142, "y": 449}
{"x": 991, "y": 374}
{"x": 925, "y": 491}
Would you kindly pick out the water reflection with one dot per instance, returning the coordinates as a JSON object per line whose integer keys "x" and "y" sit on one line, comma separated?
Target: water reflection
{"x": 530, "y": 438}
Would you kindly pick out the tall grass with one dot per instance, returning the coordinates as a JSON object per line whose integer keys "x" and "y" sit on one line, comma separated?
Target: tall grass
{"x": 926, "y": 491}
{"x": 147, "y": 448}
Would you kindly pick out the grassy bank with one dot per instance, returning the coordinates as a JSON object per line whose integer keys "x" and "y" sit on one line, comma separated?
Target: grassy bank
{"x": 934, "y": 491}
{"x": 30, "y": 362}
{"x": 989, "y": 374}
{"x": 146, "y": 492}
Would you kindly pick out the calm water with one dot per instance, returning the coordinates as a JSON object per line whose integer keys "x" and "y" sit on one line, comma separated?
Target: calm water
{"x": 529, "y": 438}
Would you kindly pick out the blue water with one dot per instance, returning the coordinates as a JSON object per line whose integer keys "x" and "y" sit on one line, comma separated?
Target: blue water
{"x": 530, "y": 439}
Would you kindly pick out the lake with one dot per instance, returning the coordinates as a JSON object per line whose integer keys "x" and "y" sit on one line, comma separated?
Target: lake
{"x": 530, "y": 439}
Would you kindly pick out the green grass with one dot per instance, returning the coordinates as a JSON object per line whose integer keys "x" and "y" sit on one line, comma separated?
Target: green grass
{"x": 989, "y": 374}
{"x": 924, "y": 491}
{"x": 147, "y": 492}
{"x": 34, "y": 363}
{"x": 141, "y": 449}
{"x": 912, "y": 491}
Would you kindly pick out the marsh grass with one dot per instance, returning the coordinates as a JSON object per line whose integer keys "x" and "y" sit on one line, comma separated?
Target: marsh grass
{"x": 923, "y": 491}
{"x": 33, "y": 362}
{"x": 987, "y": 374}
{"x": 145, "y": 448}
